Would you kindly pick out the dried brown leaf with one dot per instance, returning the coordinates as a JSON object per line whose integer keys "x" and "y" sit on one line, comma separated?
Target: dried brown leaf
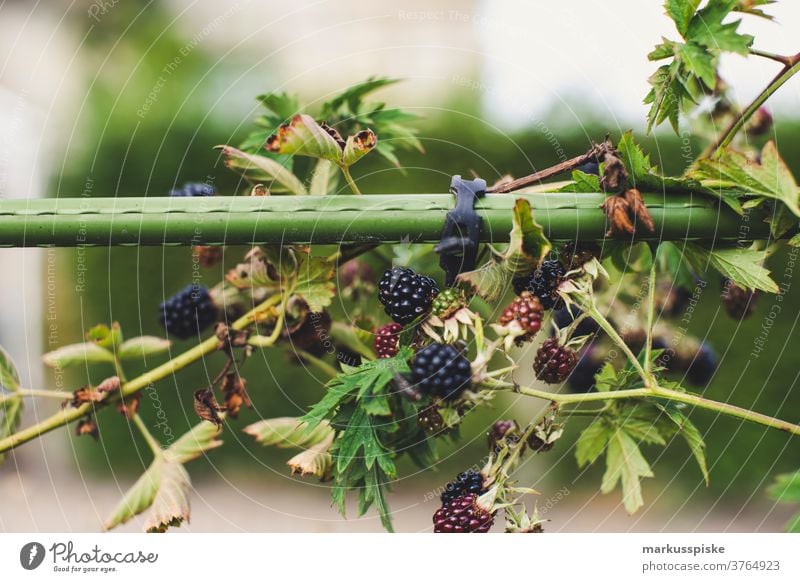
{"x": 207, "y": 407}
{"x": 638, "y": 209}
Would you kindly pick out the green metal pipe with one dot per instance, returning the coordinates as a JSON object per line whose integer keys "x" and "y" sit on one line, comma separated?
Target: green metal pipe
{"x": 336, "y": 219}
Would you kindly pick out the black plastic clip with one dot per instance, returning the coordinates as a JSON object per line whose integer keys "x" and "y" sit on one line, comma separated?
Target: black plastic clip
{"x": 458, "y": 247}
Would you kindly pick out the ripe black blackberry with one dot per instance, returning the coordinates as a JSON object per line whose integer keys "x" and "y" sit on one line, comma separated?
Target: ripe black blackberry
{"x": 193, "y": 190}
{"x": 466, "y": 482}
{"x": 526, "y": 310}
{"x": 406, "y": 295}
{"x": 738, "y": 303}
{"x": 462, "y": 515}
{"x": 440, "y": 370}
{"x": 702, "y": 368}
{"x": 188, "y": 312}
{"x": 554, "y": 362}
{"x": 386, "y": 339}
{"x": 543, "y": 283}
{"x": 575, "y": 255}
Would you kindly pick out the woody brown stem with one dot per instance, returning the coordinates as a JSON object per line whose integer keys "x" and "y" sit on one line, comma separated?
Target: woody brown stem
{"x": 596, "y": 153}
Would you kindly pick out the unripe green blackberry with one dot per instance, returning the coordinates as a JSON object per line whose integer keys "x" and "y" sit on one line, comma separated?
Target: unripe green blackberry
{"x": 447, "y": 302}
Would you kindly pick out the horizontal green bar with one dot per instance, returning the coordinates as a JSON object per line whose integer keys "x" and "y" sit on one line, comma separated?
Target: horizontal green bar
{"x": 338, "y": 219}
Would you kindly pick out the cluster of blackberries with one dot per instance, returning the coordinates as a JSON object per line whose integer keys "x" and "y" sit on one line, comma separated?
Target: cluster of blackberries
{"x": 194, "y": 190}
{"x": 543, "y": 283}
{"x": 188, "y": 312}
{"x": 460, "y": 512}
{"x": 406, "y": 295}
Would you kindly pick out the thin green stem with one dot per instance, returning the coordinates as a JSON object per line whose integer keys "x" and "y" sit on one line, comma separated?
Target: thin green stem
{"x": 154, "y": 445}
{"x": 651, "y": 308}
{"x": 349, "y": 179}
{"x": 736, "y": 125}
{"x": 56, "y": 394}
{"x": 661, "y": 393}
{"x": 606, "y": 326}
{"x": 66, "y": 415}
{"x": 261, "y": 341}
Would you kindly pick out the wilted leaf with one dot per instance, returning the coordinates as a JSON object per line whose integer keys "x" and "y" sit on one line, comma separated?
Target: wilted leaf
{"x": 207, "y": 407}
{"x": 87, "y": 427}
{"x": 87, "y": 394}
{"x": 165, "y": 485}
{"x": 261, "y": 168}
{"x": 305, "y": 137}
{"x": 75, "y": 354}
{"x": 288, "y": 432}
{"x": 316, "y": 460}
{"x": 235, "y": 391}
{"x": 143, "y": 346}
{"x": 358, "y": 146}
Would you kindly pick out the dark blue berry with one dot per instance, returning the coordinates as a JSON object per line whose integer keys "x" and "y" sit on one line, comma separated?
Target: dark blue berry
{"x": 467, "y": 482}
{"x": 406, "y": 295}
{"x": 188, "y": 312}
{"x": 543, "y": 283}
{"x": 703, "y": 367}
{"x": 194, "y": 189}
{"x": 440, "y": 370}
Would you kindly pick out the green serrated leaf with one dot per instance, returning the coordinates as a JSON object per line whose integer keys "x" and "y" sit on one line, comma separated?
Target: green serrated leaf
{"x": 315, "y": 280}
{"x": 742, "y": 266}
{"x": 582, "y": 182}
{"x": 681, "y": 12}
{"x": 692, "y": 436}
{"x": 9, "y": 376}
{"x": 771, "y": 178}
{"x": 143, "y": 346}
{"x": 786, "y": 489}
{"x": 75, "y": 354}
{"x": 625, "y": 463}
{"x": 592, "y": 442}
{"x": 708, "y": 29}
{"x": 10, "y": 416}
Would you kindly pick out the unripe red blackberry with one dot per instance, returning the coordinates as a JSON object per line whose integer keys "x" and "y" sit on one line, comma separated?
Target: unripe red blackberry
{"x": 554, "y": 362}
{"x": 543, "y": 283}
{"x": 447, "y": 302}
{"x": 386, "y": 340}
{"x": 526, "y": 310}
{"x": 406, "y": 295}
{"x": 440, "y": 370}
{"x": 499, "y": 430}
{"x": 462, "y": 515}
{"x": 738, "y": 303}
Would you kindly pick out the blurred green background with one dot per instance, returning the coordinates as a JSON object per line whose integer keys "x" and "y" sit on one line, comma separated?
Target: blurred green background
{"x": 125, "y": 154}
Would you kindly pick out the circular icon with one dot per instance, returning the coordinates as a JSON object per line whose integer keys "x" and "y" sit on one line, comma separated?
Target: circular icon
{"x": 31, "y": 555}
